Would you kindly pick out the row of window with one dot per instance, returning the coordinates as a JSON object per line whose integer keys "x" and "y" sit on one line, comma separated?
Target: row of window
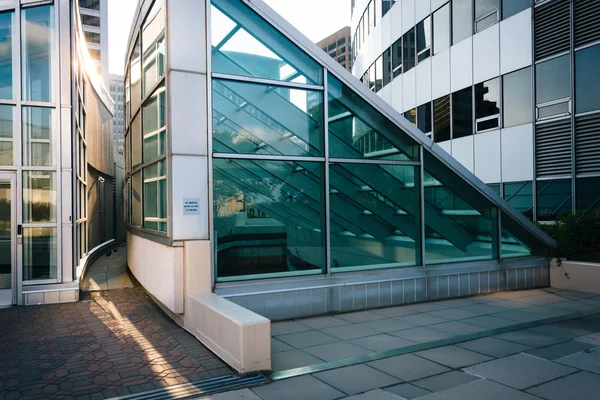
{"x": 450, "y": 24}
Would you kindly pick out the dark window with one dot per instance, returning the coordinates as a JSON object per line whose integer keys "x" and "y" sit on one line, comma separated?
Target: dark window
{"x": 462, "y": 20}
{"x": 587, "y": 79}
{"x": 397, "y": 57}
{"x": 462, "y": 113}
{"x": 512, "y": 7}
{"x": 487, "y": 105}
{"x": 90, "y": 4}
{"x": 92, "y": 37}
{"x": 441, "y": 29}
{"x": 424, "y": 117}
{"x": 387, "y": 66}
{"x": 424, "y": 39}
{"x": 486, "y": 13}
{"x": 379, "y": 74}
{"x": 588, "y": 193}
{"x": 553, "y": 84}
{"x": 372, "y": 77}
{"x": 516, "y": 98}
{"x": 408, "y": 50}
{"x": 520, "y": 196}
{"x": 441, "y": 119}
{"x": 553, "y": 199}
{"x": 411, "y": 116}
{"x": 386, "y": 5}
{"x": 90, "y": 20}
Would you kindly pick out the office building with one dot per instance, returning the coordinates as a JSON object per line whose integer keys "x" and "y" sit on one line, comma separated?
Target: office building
{"x": 504, "y": 86}
{"x": 94, "y": 18}
{"x": 338, "y": 46}
{"x": 265, "y": 182}
{"x": 117, "y": 91}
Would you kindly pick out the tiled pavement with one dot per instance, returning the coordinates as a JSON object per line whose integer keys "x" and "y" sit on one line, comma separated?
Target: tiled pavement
{"x": 113, "y": 343}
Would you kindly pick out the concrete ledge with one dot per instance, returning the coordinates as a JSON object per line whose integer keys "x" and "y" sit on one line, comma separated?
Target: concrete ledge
{"x": 238, "y": 336}
{"x": 574, "y": 275}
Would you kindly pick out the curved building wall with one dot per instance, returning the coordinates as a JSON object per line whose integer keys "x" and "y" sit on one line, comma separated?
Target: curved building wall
{"x": 503, "y": 86}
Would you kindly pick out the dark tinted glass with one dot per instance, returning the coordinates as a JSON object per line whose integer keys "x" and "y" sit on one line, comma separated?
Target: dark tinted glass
{"x": 553, "y": 79}
{"x": 520, "y": 196}
{"x": 424, "y": 117}
{"x": 462, "y": 20}
{"x": 441, "y": 119}
{"x": 424, "y": 39}
{"x": 441, "y": 29}
{"x": 512, "y": 7}
{"x": 397, "y": 57}
{"x": 517, "y": 102}
{"x": 411, "y": 116}
{"x": 372, "y": 77}
{"x": 487, "y": 104}
{"x": 587, "y": 79}
{"x": 484, "y": 7}
{"x": 387, "y": 66}
{"x": 408, "y": 50}
{"x": 588, "y": 193}
{"x": 553, "y": 199}
{"x": 462, "y": 113}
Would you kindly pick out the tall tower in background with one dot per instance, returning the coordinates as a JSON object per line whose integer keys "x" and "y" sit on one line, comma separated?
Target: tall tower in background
{"x": 94, "y": 18}
{"x": 116, "y": 88}
{"x": 338, "y": 46}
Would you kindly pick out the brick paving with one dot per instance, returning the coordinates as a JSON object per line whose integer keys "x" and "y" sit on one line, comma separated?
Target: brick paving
{"x": 112, "y": 343}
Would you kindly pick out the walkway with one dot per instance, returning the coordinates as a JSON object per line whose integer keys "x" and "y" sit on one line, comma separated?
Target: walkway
{"x": 112, "y": 343}
{"x": 108, "y": 273}
{"x": 558, "y": 360}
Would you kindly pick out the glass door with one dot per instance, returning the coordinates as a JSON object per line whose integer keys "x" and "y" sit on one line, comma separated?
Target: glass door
{"x": 7, "y": 238}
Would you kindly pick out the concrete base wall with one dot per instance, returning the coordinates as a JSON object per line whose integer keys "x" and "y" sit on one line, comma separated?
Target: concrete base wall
{"x": 573, "y": 275}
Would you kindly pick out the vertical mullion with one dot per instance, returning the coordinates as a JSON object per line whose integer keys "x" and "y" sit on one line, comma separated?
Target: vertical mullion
{"x": 422, "y": 205}
{"x": 573, "y": 105}
{"x": 327, "y": 215}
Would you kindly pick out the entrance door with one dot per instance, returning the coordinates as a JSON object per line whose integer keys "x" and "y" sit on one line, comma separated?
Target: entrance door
{"x": 8, "y": 217}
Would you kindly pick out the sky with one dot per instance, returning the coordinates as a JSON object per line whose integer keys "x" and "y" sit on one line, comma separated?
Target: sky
{"x": 331, "y": 16}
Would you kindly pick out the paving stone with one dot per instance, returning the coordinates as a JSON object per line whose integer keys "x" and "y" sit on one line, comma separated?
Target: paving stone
{"x": 493, "y": 347}
{"x": 580, "y": 386}
{"x": 392, "y": 312}
{"x": 587, "y": 361}
{"x": 336, "y": 351}
{"x": 356, "y": 379}
{"x": 408, "y": 367}
{"x": 481, "y": 390}
{"x": 348, "y": 332}
{"x": 520, "y": 371}
{"x": 592, "y": 339}
{"x": 306, "y": 339}
{"x": 422, "y": 334}
{"x": 423, "y": 319}
{"x": 445, "y": 381}
{"x": 322, "y": 322}
{"x": 528, "y": 338}
{"x": 483, "y": 309}
{"x": 489, "y": 322}
{"x": 453, "y": 357}
{"x": 458, "y": 328}
{"x": 520, "y": 316}
{"x": 300, "y": 388}
{"x": 388, "y": 325}
{"x": 560, "y": 350}
{"x": 287, "y": 327}
{"x": 292, "y": 359}
{"x": 360, "y": 316}
{"x": 243, "y": 394}
{"x": 454, "y": 313}
{"x": 374, "y": 395}
{"x": 278, "y": 345}
{"x": 382, "y": 342}
{"x": 407, "y": 391}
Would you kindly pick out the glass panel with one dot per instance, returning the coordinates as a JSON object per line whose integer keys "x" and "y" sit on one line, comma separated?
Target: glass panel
{"x": 268, "y": 218}
{"x": 357, "y": 130}
{"x": 153, "y": 39}
{"x": 441, "y": 29}
{"x": 155, "y": 197}
{"x": 484, "y": 7}
{"x": 244, "y": 44}
{"x": 37, "y": 48}
{"x": 495, "y": 187}
{"x": 424, "y": 117}
{"x": 6, "y": 243}
{"x": 252, "y": 118}
{"x": 378, "y": 74}
{"x": 424, "y": 39}
{"x": 411, "y": 116}
{"x": 588, "y": 194}
{"x": 136, "y": 142}
{"x": 38, "y": 137}
{"x": 7, "y": 147}
{"x": 462, "y": 20}
{"x": 397, "y": 57}
{"x": 372, "y": 77}
{"x": 387, "y": 66}
{"x": 39, "y": 196}
{"x": 408, "y": 50}
{"x": 39, "y": 253}
{"x": 520, "y": 196}
{"x": 461, "y": 224}
{"x": 441, "y": 119}
{"x": 553, "y": 110}
{"x": 136, "y": 77}
{"x": 136, "y": 199}
{"x": 553, "y": 199}
{"x": 553, "y": 79}
{"x": 487, "y": 21}
{"x": 512, "y": 7}
{"x": 587, "y": 84}
{"x": 517, "y": 242}
{"x": 374, "y": 216}
{"x": 7, "y": 27}
{"x": 154, "y": 122}
{"x": 462, "y": 113}
{"x": 516, "y": 98}
{"x": 487, "y": 103}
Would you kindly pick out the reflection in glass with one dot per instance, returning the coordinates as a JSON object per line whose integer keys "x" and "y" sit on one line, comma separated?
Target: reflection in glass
{"x": 387, "y": 66}
{"x": 462, "y": 113}
{"x": 136, "y": 199}
{"x": 516, "y": 98}
{"x": 39, "y": 253}
{"x": 38, "y": 137}
{"x": 553, "y": 79}
{"x": 520, "y": 196}
{"x": 588, "y": 193}
{"x": 462, "y": 20}
{"x": 441, "y": 119}
{"x": 268, "y": 218}
{"x": 357, "y": 130}
{"x": 487, "y": 105}
{"x": 244, "y": 44}
{"x": 424, "y": 117}
{"x": 374, "y": 216}
{"x": 6, "y": 242}
{"x": 424, "y": 39}
{"x": 154, "y": 125}
{"x": 554, "y": 198}
{"x": 155, "y": 197}
{"x": 441, "y": 29}
{"x": 411, "y": 116}
{"x": 153, "y": 39}
{"x": 253, "y": 118}
{"x": 486, "y": 13}
{"x": 378, "y": 74}
{"x": 461, "y": 224}
{"x": 397, "y": 57}
{"x": 37, "y": 44}
{"x": 587, "y": 84}
{"x": 6, "y": 53}
{"x": 7, "y": 147}
{"x": 408, "y": 50}
{"x": 512, "y": 7}
{"x": 39, "y": 196}
{"x": 136, "y": 142}
{"x": 517, "y": 242}
{"x": 136, "y": 77}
